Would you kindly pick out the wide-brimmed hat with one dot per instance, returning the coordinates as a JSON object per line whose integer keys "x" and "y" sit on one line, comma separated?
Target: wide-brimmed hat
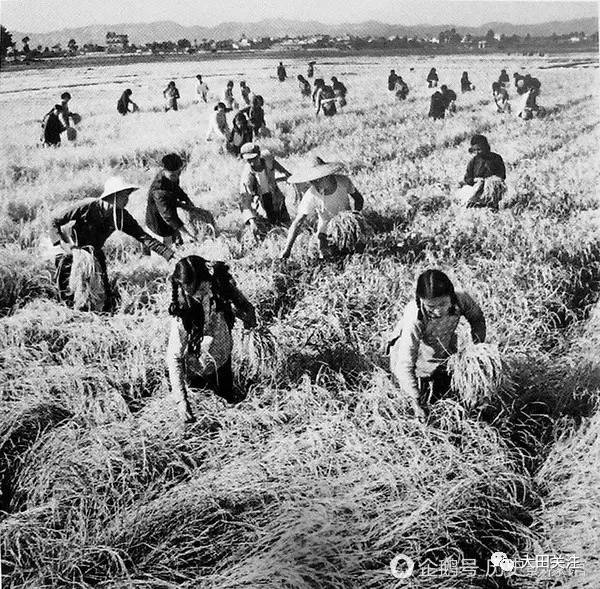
{"x": 316, "y": 169}
{"x": 249, "y": 151}
{"x": 116, "y": 184}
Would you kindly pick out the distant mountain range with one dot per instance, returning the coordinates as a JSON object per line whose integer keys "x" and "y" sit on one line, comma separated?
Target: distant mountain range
{"x": 140, "y": 33}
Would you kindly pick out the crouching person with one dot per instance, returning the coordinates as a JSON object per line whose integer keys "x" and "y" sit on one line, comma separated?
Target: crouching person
{"x": 204, "y": 306}
{"x": 88, "y": 224}
{"x": 425, "y": 338}
{"x": 260, "y": 196}
{"x": 485, "y": 179}
{"x": 329, "y": 194}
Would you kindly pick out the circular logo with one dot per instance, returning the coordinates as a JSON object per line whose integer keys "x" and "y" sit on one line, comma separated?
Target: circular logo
{"x": 402, "y": 566}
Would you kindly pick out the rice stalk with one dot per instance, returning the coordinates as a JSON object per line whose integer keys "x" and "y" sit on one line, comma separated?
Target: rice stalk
{"x": 479, "y": 373}
{"x": 85, "y": 281}
{"x": 348, "y": 232}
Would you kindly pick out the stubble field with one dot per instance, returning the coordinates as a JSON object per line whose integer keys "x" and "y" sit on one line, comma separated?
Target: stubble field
{"x": 322, "y": 475}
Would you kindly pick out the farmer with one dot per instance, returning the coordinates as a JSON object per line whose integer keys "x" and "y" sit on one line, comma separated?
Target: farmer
{"x": 465, "y": 83}
{"x": 281, "y": 73}
{"x": 245, "y": 92}
{"x": 124, "y": 102}
{"x": 449, "y": 98}
{"x": 165, "y": 196}
{"x": 52, "y": 127}
{"x": 340, "y": 91}
{"x": 256, "y": 116}
{"x": 201, "y": 89}
{"x": 486, "y": 173}
{"x": 171, "y": 94}
{"x": 432, "y": 78}
{"x": 259, "y": 193}
{"x": 519, "y": 83}
{"x": 318, "y": 84}
{"x": 90, "y": 223}
{"x": 392, "y": 80}
{"x": 329, "y": 193}
{"x": 500, "y": 98}
{"x": 533, "y": 86}
{"x": 401, "y": 88}
{"x": 218, "y": 123}
{"x": 310, "y": 71}
{"x": 228, "y": 99}
{"x": 325, "y": 99}
{"x": 437, "y": 106}
{"x": 65, "y": 113}
{"x": 425, "y": 337}
{"x": 304, "y": 86}
{"x": 241, "y": 133}
{"x": 204, "y": 305}
{"x": 504, "y": 79}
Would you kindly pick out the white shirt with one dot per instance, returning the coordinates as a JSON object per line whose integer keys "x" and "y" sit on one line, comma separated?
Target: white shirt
{"x": 327, "y": 206}
{"x": 201, "y": 87}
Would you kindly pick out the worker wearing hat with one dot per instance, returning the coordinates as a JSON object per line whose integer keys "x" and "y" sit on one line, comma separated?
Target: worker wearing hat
{"x": 90, "y": 223}
{"x": 165, "y": 196}
{"x": 330, "y": 193}
{"x": 259, "y": 194}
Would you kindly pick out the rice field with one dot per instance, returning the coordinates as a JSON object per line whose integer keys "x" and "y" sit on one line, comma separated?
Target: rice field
{"x": 322, "y": 476}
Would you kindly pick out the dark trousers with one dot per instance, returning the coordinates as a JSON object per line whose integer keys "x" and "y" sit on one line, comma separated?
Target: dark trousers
{"x": 434, "y": 388}
{"x": 220, "y": 382}
{"x": 63, "y": 264}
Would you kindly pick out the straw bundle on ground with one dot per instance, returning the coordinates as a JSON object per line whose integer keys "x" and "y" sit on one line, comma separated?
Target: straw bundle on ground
{"x": 259, "y": 354}
{"x": 251, "y": 238}
{"x": 199, "y": 222}
{"x": 348, "y": 232}
{"x": 85, "y": 281}
{"x": 478, "y": 373}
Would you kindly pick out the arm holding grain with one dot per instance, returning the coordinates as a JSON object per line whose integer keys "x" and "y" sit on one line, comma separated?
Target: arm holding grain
{"x": 132, "y": 228}
{"x": 474, "y": 315}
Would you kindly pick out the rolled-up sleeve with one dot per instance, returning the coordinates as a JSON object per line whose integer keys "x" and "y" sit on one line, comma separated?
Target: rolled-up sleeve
{"x": 405, "y": 351}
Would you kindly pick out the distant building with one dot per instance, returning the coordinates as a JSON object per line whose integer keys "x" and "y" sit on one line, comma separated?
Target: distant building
{"x": 116, "y": 42}
{"x": 482, "y": 44}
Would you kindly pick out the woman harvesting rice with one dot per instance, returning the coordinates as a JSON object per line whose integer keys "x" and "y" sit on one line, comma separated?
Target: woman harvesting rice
{"x": 425, "y": 338}
{"x": 330, "y": 193}
{"x": 203, "y": 307}
{"x": 89, "y": 223}
{"x": 484, "y": 182}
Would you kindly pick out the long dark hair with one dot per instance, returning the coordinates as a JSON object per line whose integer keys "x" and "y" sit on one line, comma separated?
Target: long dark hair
{"x": 434, "y": 283}
{"x": 188, "y": 273}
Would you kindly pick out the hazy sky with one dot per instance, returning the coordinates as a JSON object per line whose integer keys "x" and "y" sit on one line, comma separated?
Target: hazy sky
{"x": 36, "y": 16}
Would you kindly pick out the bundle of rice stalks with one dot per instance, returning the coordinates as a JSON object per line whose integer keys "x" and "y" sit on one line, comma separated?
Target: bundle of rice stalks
{"x": 85, "y": 281}
{"x": 258, "y": 355}
{"x": 348, "y": 232}
{"x": 478, "y": 373}
{"x": 200, "y": 223}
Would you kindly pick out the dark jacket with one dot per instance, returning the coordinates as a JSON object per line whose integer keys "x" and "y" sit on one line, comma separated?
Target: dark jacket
{"x": 437, "y": 107}
{"x": 392, "y": 81}
{"x": 164, "y": 197}
{"x": 123, "y": 104}
{"x": 449, "y": 96}
{"x": 484, "y": 165}
{"x": 52, "y": 129}
{"x": 93, "y": 222}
